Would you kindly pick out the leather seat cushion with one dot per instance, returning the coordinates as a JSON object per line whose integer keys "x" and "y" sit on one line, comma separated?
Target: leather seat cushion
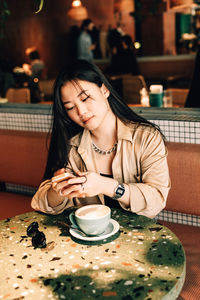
{"x": 190, "y": 239}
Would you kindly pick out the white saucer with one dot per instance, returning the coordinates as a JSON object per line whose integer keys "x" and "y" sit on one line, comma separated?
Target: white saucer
{"x": 112, "y": 228}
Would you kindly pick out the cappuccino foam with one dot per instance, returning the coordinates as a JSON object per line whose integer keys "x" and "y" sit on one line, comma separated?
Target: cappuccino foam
{"x": 91, "y": 213}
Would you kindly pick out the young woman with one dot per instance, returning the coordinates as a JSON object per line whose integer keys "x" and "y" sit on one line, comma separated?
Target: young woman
{"x": 116, "y": 157}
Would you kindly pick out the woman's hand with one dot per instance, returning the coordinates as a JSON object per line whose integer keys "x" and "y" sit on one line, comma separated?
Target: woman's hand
{"x": 96, "y": 184}
{"x": 86, "y": 184}
{"x": 65, "y": 188}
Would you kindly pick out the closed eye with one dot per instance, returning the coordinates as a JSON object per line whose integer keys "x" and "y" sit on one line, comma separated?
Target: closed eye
{"x": 70, "y": 108}
{"x": 85, "y": 98}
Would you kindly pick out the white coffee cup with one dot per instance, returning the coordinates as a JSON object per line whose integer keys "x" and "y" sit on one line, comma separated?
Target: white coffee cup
{"x": 91, "y": 219}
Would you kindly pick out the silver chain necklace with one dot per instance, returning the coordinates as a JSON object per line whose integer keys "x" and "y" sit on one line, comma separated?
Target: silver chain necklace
{"x": 104, "y": 152}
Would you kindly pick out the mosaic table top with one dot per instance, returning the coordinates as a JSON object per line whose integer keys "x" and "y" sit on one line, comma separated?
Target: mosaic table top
{"x": 144, "y": 260}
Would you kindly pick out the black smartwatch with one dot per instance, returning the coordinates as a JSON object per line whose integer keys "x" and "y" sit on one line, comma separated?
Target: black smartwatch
{"x": 119, "y": 191}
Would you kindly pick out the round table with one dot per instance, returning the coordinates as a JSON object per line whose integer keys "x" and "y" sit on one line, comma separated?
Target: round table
{"x": 144, "y": 260}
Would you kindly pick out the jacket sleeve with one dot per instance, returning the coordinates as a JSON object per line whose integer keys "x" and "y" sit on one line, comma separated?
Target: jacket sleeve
{"x": 148, "y": 196}
{"x": 40, "y": 202}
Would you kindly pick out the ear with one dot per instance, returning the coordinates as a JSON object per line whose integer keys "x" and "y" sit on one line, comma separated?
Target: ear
{"x": 105, "y": 91}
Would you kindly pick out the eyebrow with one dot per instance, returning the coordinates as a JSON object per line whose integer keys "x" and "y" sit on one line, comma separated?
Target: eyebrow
{"x": 82, "y": 92}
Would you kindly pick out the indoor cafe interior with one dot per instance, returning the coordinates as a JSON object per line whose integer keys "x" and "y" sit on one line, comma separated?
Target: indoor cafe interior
{"x": 149, "y": 51}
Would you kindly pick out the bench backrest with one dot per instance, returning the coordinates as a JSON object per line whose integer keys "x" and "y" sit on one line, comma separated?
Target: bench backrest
{"x": 22, "y": 157}
{"x": 184, "y": 168}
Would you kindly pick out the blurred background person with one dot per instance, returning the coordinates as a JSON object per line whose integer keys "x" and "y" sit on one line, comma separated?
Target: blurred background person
{"x": 115, "y": 68}
{"x": 6, "y": 77}
{"x": 103, "y": 41}
{"x": 123, "y": 55}
{"x": 95, "y": 35}
{"x": 130, "y": 64}
{"x": 85, "y": 45}
{"x": 193, "y": 95}
{"x": 72, "y": 39}
{"x": 116, "y": 52}
{"x": 36, "y": 67}
{"x": 35, "y": 71}
{"x": 123, "y": 58}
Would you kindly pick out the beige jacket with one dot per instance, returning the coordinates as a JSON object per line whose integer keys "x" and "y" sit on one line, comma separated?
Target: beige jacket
{"x": 140, "y": 162}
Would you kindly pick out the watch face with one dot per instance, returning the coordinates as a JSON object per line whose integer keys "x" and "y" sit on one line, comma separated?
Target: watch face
{"x": 120, "y": 191}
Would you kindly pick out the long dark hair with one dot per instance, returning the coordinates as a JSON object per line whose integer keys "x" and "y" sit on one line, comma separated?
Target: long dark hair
{"x": 64, "y": 128}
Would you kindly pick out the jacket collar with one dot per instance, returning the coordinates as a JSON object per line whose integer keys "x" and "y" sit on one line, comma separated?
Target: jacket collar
{"x": 124, "y": 131}
{"x": 83, "y": 141}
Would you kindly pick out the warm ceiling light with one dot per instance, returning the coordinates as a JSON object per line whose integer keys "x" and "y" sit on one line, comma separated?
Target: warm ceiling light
{"x": 137, "y": 45}
{"x": 77, "y": 12}
{"x": 76, "y": 3}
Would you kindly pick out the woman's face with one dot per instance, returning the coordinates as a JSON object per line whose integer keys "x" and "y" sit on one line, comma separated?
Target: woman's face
{"x": 86, "y": 104}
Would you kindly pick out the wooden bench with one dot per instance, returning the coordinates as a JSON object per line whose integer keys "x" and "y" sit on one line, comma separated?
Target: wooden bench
{"x": 23, "y": 158}
{"x": 184, "y": 197}
{"x": 22, "y": 162}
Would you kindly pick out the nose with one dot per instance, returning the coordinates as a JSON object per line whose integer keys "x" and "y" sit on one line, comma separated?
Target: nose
{"x": 81, "y": 109}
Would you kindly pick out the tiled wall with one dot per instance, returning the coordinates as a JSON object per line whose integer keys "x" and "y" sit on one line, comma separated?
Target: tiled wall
{"x": 174, "y": 131}
{"x": 180, "y": 218}
{"x": 180, "y": 131}
{"x": 25, "y": 122}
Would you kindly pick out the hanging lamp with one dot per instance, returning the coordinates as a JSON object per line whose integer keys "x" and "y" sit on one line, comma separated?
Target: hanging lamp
{"x": 77, "y": 12}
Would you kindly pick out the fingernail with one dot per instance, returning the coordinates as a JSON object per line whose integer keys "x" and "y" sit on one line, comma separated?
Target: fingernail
{"x": 54, "y": 184}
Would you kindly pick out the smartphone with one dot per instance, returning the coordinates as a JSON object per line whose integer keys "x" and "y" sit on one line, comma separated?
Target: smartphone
{"x": 62, "y": 177}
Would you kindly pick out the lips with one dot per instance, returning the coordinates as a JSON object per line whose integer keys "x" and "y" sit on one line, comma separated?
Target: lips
{"x": 86, "y": 120}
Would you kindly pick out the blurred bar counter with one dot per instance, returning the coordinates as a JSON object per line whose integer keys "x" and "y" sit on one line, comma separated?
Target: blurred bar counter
{"x": 169, "y": 70}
